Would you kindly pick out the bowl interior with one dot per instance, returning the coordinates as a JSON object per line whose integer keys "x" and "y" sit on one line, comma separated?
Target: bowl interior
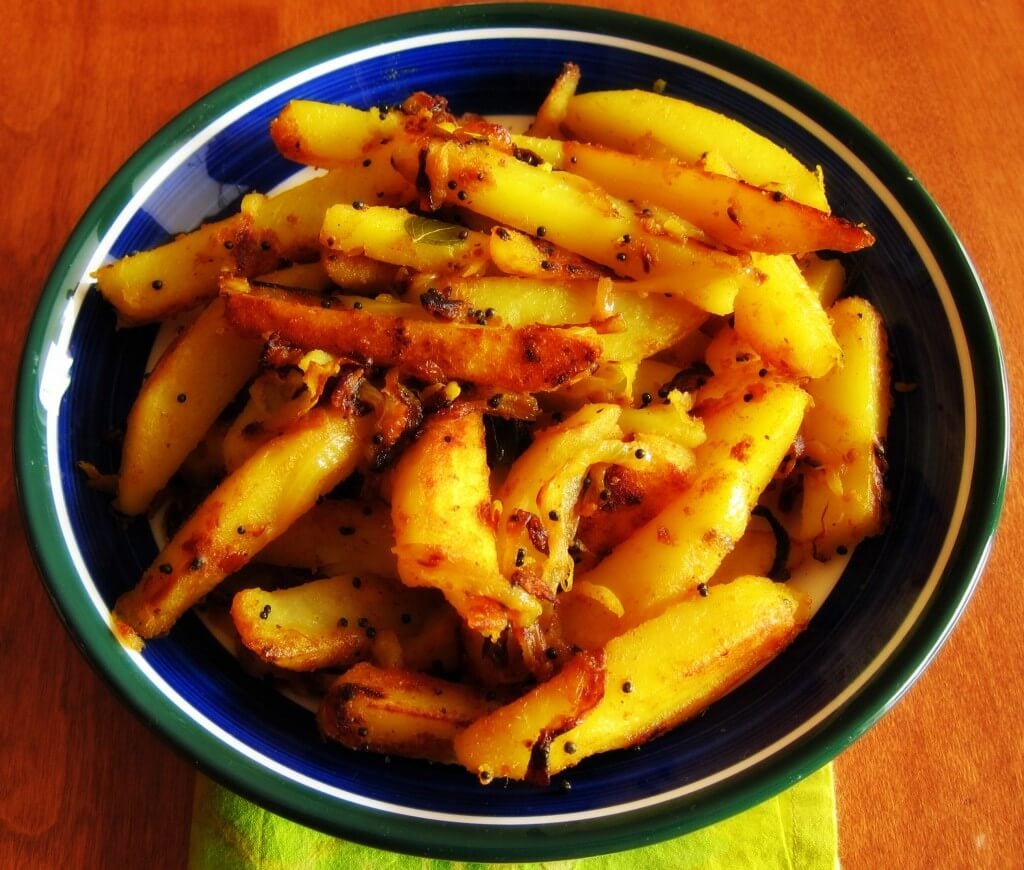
{"x": 893, "y": 605}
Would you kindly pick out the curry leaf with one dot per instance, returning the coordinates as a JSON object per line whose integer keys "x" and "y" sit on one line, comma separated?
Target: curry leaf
{"x": 431, "y": 232}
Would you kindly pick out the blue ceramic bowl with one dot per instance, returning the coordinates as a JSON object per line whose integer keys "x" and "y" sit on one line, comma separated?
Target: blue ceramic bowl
{"x": 892, "y": 608}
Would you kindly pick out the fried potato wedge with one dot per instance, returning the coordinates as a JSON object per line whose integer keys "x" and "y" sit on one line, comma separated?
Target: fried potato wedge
{"x": 782, "y": 319}
{"x": 292, "y": 218}
{"x": 444, "y": 525}
{"x": 329, "y": 623}
{"x": 325, "y": 134}
{"x": 513, "y": 740}
{"x": 748, "y": 433}
{"x": 621, "y": 502}
{"x": 299, "y": 276}
{"x": 194, "y": 380}
{"x": 529, "y": 359}
{"x": 277, "y": 398}
{"x": 825, "y": 277}
{"x": 180, "y": 274}
{"x": 670, "y": 668}
{"x": 517, "y": 253}
{"x": 551, "y": 113}
{"x": 643, "y": 323}
{"x": 844, "y": 494}
{"x": 340, "y": 537}
{"x": 396, "y": 236}
{"x": 539, "y": 495}
{"x": 358, "y": 274}
{"x": 655, "y": 125}
{"x": 185, "y": 271}
{"x": 733, "y": 212}
{"x": 275, "y": 486}
{"x": 398, "y": 712}
{"x": 576, "y": 215}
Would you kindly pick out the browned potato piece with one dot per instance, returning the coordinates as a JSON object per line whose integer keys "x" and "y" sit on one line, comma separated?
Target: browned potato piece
{"x": 516, "y": 253}
{"x": 552, "y": 111}
{"x": 300, "y": 276}
{"x": 633, "y": 497}
{"x": 154, "y": 284}
{"x": 292, "y": 219}
{"x": 195, "y": 379}
{"x": 444, "y": 524}
{"x": 184, "y": 272}
{"x": 844, "y": 494}
{"x": 748, "y": 433}
{"x": 398, "y": 712}
{"x": 513, "y": 740}
{"x": 338, "y": 536}
{"x": 642, "y": 122}
{"x": 577, "y": 215}
{"x": 250, "y": 508}
{"x": 396, "y": 236}
{"x": 329, "y": 623}
{"x": 782, "y": 319}
{"x": 520, "y": 360}
{"x": 668, "y": 669}
{"x": 324, "y": 134}
{"x": 644, "y": 323}
{"x": 277, "y": 398}
{"x": 732, "y": 212}
{"x": 358, "y": 274}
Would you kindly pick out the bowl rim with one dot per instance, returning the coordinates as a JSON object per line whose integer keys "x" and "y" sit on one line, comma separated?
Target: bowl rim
{"x": 611, "y": 833}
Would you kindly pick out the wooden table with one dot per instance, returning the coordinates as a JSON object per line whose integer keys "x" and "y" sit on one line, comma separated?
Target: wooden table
{"x": 83, "y": 784}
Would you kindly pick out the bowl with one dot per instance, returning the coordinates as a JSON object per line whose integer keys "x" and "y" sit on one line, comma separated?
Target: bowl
{"x": 894, "y": 605}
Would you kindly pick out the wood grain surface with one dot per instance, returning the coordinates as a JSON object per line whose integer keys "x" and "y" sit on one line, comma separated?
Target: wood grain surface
{"x": 83, "y": 784}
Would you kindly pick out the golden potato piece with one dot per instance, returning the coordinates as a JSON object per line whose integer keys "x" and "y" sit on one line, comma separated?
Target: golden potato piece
{"x": 521, "y": 360}
{"x": 517, "y": 253}
{"x": 783, "y": 320}
{"x": 275, "y": 486}
{"x": 340, "y": 536}
{"x": 643, "y": 323}
{"x": 358, "y": 274}
{"x": 512, "y": 741}
{"x": 184, "y": 272}
{"x": 732, "y": 212}
{"x": 669, "y": 669}
{"x": 642, "y": 122}
{"x": 324, "y": 134}
{"x": 844, "y": 433}
{"x": 444, "y": 524}
{"x": 748, "y": 433}
{"x": 398, "y": 237}
{"x": 195, "y": 379}
{"x": 398, "y": 712}
{"x": 329, "y": 623}
{"x": 577, "y": 215}
{"x": 551, "y": 113}
{"x": 180, "y": 274}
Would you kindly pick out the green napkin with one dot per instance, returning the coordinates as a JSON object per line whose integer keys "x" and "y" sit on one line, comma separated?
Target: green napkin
{"x": 796, "y": 829}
